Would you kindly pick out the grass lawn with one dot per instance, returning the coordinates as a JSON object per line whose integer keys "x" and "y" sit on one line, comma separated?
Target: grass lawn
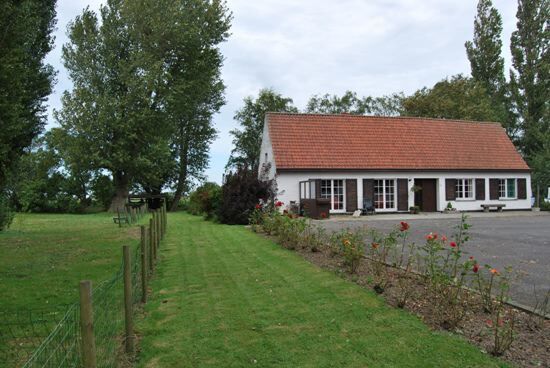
{"x": 226, "y": 297}
{"x": 45, "y": 255}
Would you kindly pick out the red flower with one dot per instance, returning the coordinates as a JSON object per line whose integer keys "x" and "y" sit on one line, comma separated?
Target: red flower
{"x": 475, "y": 268}
{"x": 258, "y": 206}
{"x": 431, "y": 236}
{"x": 494, "y": 271}
{"x": 323, "y": 215}
{"x": 404, "y": 226}
{"x": 471, "y": 258}
{"x": 374, "y": 245}
{"x": 278, "y": 204}
{"x": 452, "y": 244}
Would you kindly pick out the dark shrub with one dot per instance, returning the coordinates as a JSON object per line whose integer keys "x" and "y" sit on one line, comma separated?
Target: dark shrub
{"x": 6, "y": 213}
{"x": 102, "y": 191}
{"x": 241, "y": 192}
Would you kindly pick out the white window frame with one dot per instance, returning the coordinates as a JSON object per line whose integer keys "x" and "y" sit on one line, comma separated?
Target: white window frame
{"x": 331, "y": 195}
{"x": 461, "y": 183}
{"x": 385, "y": 208}
{"x": 506, "y": 197}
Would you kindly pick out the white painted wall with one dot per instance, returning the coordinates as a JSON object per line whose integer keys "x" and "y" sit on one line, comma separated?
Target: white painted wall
{"x": 288, "y": 186}
{"x": 267, "y": 148}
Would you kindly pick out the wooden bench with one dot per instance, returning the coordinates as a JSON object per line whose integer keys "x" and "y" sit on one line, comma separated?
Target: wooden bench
{"x": 487, "y": 207}
{"x": 120, "y": 219}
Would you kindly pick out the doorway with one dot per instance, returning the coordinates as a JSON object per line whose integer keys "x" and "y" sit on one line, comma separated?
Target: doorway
{"x": 425, "y": 197}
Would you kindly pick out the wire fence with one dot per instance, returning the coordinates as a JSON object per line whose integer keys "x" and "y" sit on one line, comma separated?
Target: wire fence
{"x": 54, "y": 338}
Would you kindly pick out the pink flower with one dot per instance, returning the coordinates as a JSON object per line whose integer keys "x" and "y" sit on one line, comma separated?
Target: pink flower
{"x": 444, "y": 238}
{"x": 278, "y": 204}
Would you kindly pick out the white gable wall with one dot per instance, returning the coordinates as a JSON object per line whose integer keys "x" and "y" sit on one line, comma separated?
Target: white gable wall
{"x": 267, "y": 149}
{"x": 288, "y": 185}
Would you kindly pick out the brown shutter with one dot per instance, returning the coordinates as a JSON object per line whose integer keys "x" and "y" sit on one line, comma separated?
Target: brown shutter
{"x": 522, "y": 189}
{"x": 317, "y": 188}
{"x": 402, "y": 195}
{"x": 368, "y": 189}
{"x": 480, "y": 189}
{"x": 351, "y": 195}
{"x": 493, "y": 189}
{"x": 450, "y": 189}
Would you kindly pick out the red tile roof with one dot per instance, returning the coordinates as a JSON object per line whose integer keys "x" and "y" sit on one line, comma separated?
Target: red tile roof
{"x": 315, "y": 141}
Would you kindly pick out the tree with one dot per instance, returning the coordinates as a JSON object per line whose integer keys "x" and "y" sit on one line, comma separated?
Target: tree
{"x": 187, "y": 42}
{"x": 530, "y": 77}
{"x": 351, "y": 104}
{"x": 247, "y": 140}
{"x": 25, "y": 80}
{"x": 484, "y": 52}
{"x": 487, "y": 64}
{"x": 456, "y": 98}
{"x": 111, "y": 115}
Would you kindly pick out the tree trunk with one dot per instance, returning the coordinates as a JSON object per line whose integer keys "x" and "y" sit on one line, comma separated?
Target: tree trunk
{"x": 121, "y": 192}
{"x": 182, "y": 175}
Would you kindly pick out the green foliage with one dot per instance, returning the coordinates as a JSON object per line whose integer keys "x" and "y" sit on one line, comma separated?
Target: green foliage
{"x": 247, "y": 140}
{"x": 241, "y": 192}
{"x": 530, "y": 77}
{"x": 484, "y": 52}
{"x": 6, "y": 213}
{"x": 25, "y": 80}
{"x": 102, "y": 190}
{"x": 456, "y": 98}
{"x": 350, "y": 103}
{"x": 205, "y": 200}
{"x": 487, "y": 64}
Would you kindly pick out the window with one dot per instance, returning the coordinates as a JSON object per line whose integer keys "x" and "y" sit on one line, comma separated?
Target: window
{"x": 384, "y": 194}
{"x": 334, "y": 190}
{"x": 507, "y": 188}
{"x": 465, "y": 189}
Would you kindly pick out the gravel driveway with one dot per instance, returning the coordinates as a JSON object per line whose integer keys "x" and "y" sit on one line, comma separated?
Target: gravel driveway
{"x": 522, "y": 242}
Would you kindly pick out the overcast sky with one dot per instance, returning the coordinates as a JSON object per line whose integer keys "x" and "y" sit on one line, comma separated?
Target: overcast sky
{"x": 307, "y": 47}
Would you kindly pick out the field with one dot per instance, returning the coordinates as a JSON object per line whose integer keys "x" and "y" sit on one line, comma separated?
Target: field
{"x": 45, "y": 255}
{"x": 224, "y": 296}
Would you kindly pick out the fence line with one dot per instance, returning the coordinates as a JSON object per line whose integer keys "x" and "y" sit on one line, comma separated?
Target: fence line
{"x": 64, "y": 340}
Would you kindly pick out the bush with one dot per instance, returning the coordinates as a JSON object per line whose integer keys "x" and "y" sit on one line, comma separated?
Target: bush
{"x": 240, "y": 194}
{"x": 205, "y": 200}
{"x": 6, "y": 213}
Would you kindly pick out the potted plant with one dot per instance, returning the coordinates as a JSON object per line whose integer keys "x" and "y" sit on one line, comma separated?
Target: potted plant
{"x": 414, "y": 210}
{"x": 449, "y": 208}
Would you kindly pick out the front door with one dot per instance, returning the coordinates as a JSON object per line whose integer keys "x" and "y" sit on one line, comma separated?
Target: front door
{"x": 425, "y": 195}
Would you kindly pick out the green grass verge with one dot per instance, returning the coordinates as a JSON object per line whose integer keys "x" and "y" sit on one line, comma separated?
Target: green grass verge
{"x": 226, "y": 297}
{"x": 44, "y": 256}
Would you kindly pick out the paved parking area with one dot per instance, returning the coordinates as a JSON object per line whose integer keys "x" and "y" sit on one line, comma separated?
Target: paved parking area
{"x": 520, "y": 240}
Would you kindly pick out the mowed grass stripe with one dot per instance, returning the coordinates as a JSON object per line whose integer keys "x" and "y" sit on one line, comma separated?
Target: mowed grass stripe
{"x": 225, "y": 297}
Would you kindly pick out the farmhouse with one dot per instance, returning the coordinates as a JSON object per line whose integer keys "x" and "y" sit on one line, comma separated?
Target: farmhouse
{"x": 393, "y": 163}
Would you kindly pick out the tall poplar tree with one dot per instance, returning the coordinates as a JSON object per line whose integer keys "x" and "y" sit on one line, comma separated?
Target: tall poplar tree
{"x": 530, "y": 76}
{"x": 25, "y": 80}
{"x": 487, "y": 63}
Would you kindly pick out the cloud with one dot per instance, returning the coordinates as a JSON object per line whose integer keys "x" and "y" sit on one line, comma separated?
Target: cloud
{"x": 307, "y": 47}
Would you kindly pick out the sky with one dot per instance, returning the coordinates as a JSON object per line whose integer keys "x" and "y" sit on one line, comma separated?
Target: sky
{"x": 307, "y": 47}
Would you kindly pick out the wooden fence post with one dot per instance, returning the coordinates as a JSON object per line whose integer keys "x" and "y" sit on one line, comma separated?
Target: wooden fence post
{"x": 87, "y": 325}
{"x": 152, "y": 250}
{"x": 143, "y": 246}
{"x": 157, "y": 230}
{"x": 165, "y": 213}
{"x": 162, "y": 221}
{"x": 128, "y": 300}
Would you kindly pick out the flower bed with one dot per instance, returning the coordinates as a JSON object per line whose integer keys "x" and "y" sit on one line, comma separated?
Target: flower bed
{"x": 434, "y": 280}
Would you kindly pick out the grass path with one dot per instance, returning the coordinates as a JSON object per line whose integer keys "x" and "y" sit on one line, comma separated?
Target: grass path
{"x": 225, "y": 297}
